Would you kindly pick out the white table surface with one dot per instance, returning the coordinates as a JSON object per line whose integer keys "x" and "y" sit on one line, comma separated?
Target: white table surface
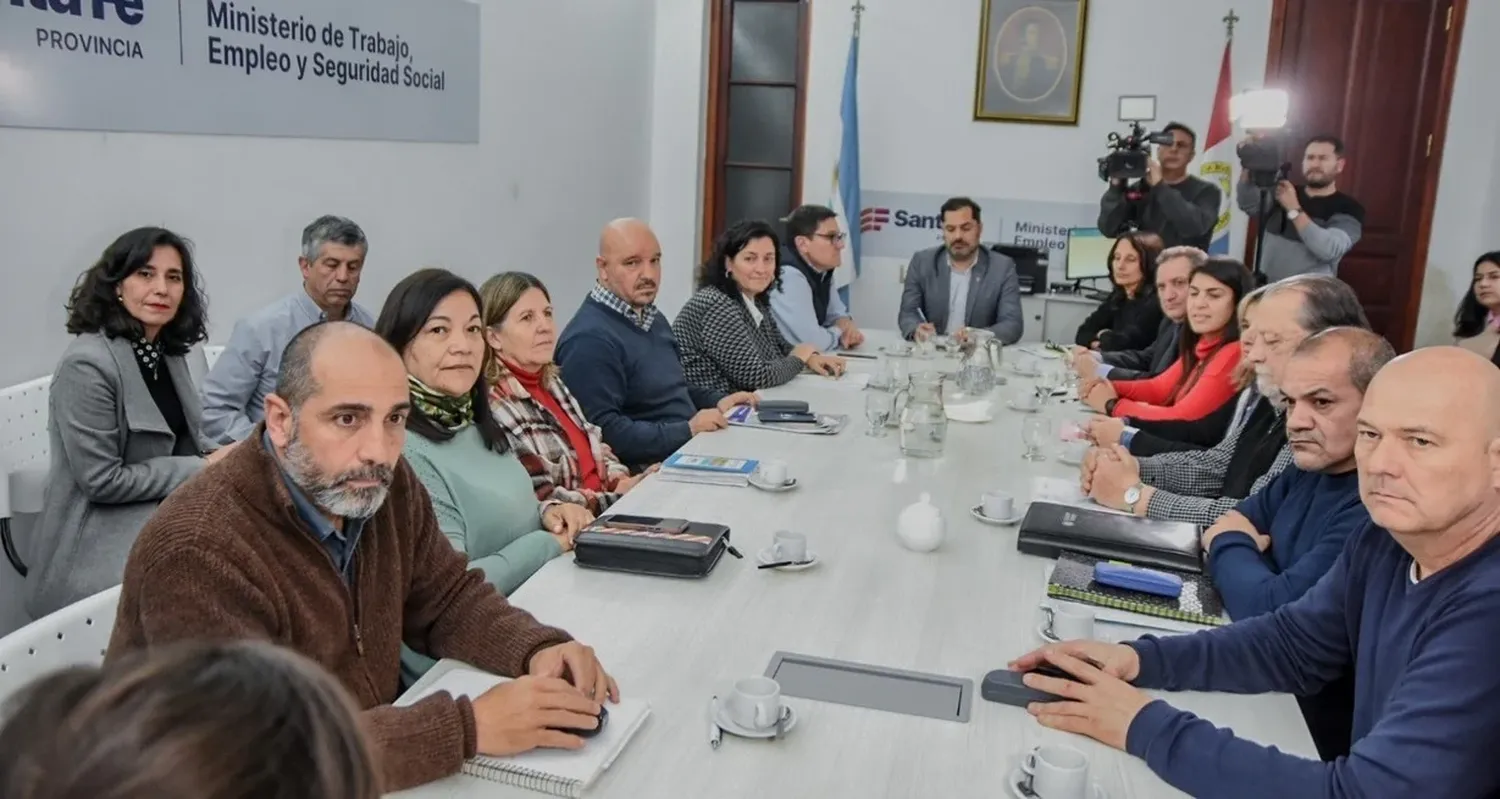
{"x": 961, "y": 611}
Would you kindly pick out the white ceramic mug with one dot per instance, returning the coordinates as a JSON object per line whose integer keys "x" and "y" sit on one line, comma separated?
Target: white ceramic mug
{"x": 755, "y": 703}
{"x": 1069, "y": 622}
{"x": 998, "y": 505}
{"x": 773, "y": 472}
{"x": 789, "y": 546}
{"x": 1056, "y": 772}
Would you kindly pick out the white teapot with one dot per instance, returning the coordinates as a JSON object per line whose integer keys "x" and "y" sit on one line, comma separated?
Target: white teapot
{"x": 920, "y": 526}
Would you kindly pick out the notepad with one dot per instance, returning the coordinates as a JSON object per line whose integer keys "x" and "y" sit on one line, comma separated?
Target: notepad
{"x": 559, "y": 772}
{"x": 1199, "y": 603}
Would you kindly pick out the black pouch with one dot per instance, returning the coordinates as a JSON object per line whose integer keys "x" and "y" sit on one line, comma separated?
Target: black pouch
{"x": 650, "y": 545}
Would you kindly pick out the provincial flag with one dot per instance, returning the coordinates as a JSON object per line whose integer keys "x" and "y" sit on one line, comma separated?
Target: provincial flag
{"x": 1220, "y": 160}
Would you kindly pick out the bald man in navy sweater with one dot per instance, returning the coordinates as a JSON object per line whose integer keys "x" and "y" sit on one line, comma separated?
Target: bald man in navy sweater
{"x": 1412, "y": 605}
{"x": 619, "y": 358}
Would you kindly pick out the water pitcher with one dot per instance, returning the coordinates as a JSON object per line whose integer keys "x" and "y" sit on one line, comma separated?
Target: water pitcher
{"x": 979, "y": 371}
{"x": 924, "y": 420}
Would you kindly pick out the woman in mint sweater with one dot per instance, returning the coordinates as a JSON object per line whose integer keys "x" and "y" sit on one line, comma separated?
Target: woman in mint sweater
{"x": 482, "y": 495}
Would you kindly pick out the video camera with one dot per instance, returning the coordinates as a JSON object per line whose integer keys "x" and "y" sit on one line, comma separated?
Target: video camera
{"x": 1128, "y": 154}
{"x": 1260, "y": 157}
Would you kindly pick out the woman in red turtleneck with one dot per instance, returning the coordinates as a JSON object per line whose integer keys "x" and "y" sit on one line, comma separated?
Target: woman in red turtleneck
{"x": 565, "y": 455}
{"x": 1202, "y": 378}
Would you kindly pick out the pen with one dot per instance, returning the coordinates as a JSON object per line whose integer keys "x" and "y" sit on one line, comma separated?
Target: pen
{"x": 714, "y": 733}
{"x": 860, "y": 355}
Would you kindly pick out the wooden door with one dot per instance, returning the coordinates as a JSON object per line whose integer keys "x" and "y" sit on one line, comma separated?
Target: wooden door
{"x": 1378, "y": 74}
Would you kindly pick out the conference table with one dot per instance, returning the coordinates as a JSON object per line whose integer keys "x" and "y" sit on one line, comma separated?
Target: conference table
{"x": 959, "y": 611}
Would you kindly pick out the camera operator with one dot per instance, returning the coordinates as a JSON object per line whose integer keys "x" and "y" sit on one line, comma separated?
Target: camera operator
{"x": 1179, "y": 207}
{"x": 1309, "y": 228}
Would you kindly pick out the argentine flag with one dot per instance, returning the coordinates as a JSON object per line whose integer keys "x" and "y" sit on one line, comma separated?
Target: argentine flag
{"x": 846, "y": 170}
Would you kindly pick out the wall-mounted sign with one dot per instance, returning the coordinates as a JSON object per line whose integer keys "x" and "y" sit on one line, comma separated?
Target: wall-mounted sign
{"x": 345, "y": 69}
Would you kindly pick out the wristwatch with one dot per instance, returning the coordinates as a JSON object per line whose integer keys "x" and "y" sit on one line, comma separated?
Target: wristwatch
{"x": 1109, "y": 406}
{"x": 1133, "y": 496}
{"x": 1293, "y": 214}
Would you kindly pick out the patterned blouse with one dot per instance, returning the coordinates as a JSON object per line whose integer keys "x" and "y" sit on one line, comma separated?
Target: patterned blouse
{"x": 542, "y": 446}
{"x": 723, "y": 348}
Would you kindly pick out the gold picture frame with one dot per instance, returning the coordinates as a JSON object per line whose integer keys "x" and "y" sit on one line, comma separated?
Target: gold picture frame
{"x": 1030, "y": 61}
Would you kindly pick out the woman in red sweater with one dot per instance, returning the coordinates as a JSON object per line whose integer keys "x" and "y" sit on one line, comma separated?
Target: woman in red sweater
{"x": 565, "y": 455}
{"x": 1202, "y": 378}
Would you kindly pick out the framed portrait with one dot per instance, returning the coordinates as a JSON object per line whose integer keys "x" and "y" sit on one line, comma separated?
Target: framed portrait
{"x": 1030, "y": 61}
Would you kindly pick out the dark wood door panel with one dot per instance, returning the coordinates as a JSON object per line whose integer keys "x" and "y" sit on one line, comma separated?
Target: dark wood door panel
{"x": 1373, "y": 73}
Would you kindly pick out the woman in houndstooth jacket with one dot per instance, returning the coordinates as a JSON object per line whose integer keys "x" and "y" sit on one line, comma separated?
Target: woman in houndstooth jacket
{"x": 726, "y": 336}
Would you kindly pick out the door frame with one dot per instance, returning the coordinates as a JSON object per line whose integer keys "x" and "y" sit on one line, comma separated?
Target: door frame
{"x": 716, "y": 106}
{"x": 1402, "y": 339}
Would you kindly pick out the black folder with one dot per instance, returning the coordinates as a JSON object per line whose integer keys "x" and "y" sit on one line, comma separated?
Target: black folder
{"x": 1050, "y": 528}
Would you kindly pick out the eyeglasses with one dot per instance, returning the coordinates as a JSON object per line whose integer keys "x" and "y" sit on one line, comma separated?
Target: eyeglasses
{"x": 836, "y": 238}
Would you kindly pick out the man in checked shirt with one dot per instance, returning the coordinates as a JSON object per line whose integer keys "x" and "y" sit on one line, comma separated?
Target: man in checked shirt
{"x": 1199, "y": 486}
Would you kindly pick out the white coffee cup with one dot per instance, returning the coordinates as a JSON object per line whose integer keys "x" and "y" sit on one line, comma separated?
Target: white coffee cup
{"x": 789, "y": 546}
{"x": 755, "y": 703}
{"x": 1069, "y": 622}
{"x": 1057, "y": 772}
{"x": 998, "y": 505}
{"x": 773, "y": 472}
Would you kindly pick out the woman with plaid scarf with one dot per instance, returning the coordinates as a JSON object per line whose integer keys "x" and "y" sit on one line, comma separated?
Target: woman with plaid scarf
{"x": 565, "y": 454}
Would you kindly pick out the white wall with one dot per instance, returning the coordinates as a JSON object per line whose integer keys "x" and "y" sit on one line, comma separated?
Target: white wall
{"x": 679, "y": 93}
{"x": 1464, "y": 223}
{"x": 565, "y": 136}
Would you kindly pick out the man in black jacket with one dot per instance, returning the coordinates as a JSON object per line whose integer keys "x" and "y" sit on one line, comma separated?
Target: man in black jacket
{"x": 1179, "y": 207}
{"x": 1173, "y": 267}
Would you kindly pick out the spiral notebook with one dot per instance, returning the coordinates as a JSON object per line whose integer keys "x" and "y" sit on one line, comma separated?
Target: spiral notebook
{"x": 1073, "y": 579}
{"x": 559, "y": 772}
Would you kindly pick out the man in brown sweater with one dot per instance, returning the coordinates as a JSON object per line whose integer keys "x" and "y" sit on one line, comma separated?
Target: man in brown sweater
{"x": 315, "y": 534}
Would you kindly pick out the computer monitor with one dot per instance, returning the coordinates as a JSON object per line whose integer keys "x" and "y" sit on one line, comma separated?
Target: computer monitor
{"x": 1088, "y": 254}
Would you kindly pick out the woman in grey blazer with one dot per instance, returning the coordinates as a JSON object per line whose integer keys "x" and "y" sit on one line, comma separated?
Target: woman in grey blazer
{"x": 123, "y": 415}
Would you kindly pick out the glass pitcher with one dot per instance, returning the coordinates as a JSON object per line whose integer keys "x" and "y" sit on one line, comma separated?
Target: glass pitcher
{"x": 924, "y": 419}
{"x": 979, "y": 372}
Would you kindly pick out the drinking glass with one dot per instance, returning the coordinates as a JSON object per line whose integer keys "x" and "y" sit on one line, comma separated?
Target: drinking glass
{"x": 878, "y": 407}
{"x": 1049, "y": 380}
{"x": 1035, "y": 432}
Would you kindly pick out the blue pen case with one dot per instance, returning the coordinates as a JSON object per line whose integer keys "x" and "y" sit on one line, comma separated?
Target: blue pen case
{"x": 1135, "y": 578}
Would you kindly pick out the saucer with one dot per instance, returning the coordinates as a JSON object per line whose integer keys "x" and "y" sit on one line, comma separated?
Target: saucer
{"x": 1012, "y": 405}
{"x": 1065, "y": 457}
{"x": 1017, "y": 778}
{"x": 764, "y": 556}
{"x": 1041, "y": 632}
{"x": 978, "y": 512}
{"x": 791, "y": 483}
{"x": 728, "y": 725}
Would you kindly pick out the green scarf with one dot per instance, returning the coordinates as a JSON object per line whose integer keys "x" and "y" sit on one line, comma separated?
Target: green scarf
{"x": 453, "y": 413}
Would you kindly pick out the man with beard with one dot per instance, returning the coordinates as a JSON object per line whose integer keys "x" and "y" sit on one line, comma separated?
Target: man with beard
{"x": 961, "y": 285}
{"x": 314, "y": 534}
{"x": 619, "y": 358}
{"x": 1310, "y": 227}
